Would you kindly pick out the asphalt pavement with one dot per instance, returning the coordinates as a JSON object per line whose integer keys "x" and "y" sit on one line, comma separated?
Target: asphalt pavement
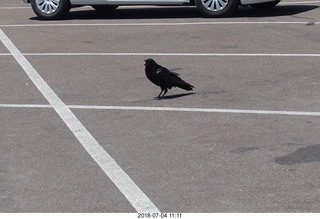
{"x": 81, "y": 132}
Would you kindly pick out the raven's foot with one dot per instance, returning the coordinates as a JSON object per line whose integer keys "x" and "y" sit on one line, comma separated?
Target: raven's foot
{"x": 157, "y": 98}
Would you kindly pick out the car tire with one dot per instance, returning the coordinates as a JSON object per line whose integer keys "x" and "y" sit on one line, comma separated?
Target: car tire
{"x": 266, "y": 5}
{"x": 50, "y": 9}
{"x": 104, "y": 8}
{"x": 217, "y": 8}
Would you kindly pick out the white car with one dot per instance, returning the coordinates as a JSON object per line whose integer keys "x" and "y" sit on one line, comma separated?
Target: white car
{"x": 57, "y": 9}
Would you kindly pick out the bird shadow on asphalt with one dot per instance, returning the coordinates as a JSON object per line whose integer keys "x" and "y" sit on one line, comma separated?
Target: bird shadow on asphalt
{"x": 86, "y": 13}
{"x": 174, "y": 96}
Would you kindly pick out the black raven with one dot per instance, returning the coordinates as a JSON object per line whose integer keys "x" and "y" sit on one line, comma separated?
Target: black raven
{"x": 164, "y": 78}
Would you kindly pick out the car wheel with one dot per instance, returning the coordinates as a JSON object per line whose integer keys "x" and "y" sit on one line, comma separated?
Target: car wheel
{"x": 217, "y": 8}
{"x": 50, "y": 9}
{"x": 265, "y": 5}
{"x": 104, "y": 7}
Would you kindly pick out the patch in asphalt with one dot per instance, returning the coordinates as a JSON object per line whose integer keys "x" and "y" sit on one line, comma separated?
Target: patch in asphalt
{"x": 244, "y": 149}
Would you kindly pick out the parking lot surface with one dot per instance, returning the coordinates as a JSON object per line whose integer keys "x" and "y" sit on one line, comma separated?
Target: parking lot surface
{"x": 81, "y": 131}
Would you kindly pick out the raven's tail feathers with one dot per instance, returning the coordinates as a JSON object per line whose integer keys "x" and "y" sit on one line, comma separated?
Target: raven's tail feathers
{"x": 178, "y": 82}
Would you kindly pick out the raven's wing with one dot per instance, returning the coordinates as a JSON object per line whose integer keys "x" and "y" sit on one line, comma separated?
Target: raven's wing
{"x": 164, "y": 76}
{"x": 174, "y": 80}
{"x": 158, "y": 75}
{"x": 162, "y": 72}
{"x": 169, "y": 79}
{"x": 174, "y": 73}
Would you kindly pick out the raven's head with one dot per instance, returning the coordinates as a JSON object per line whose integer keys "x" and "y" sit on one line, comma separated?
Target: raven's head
{"x": 149, "y": 62}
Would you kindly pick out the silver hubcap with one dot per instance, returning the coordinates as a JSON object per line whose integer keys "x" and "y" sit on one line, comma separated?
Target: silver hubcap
{"x": 215, "y": 5}
{"x": 48, "y": 6}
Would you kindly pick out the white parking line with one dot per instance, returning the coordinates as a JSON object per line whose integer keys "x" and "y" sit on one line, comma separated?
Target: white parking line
{"x": 203, "y": 110}
{"x": 172, "y": 109}
{"x": 179, "y": 54}
{"x": 13, "y": 8}
{"x": 25, "y": 106}
{"x": 174, "y": 54}
{"x": 124, "y": 183}
{"x": 163, "y": 24}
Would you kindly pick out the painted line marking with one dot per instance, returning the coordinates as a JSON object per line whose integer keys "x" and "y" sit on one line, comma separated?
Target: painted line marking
{"x": 9, "y": 8}
{"x": 179, "y": 54}
{"x": 25, "y": 106}
{"x": 174, "y": 54}
{"x": 124, "y": 183}
{"x": 161, "y": 24}
{"x": 172, "y": 109}
{"x": 204, "y": 110}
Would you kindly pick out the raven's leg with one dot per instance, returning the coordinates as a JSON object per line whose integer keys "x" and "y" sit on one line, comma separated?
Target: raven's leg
{"x": 165, "y": 91}
{"x": 159, "y": 96}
